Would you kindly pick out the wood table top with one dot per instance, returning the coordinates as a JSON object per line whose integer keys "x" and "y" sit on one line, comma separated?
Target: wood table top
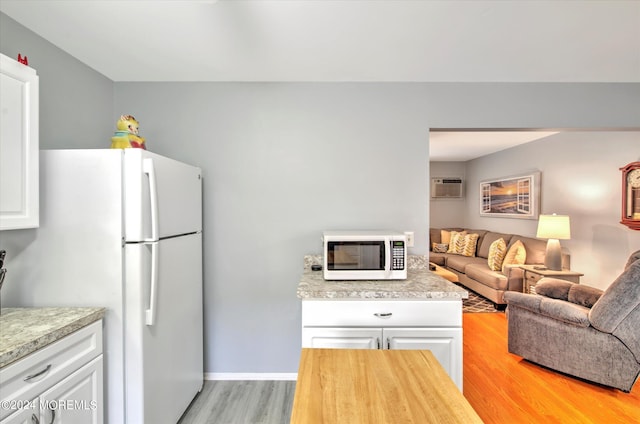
{"x": 376, "y": 386}
{"x": 445, "y": 273}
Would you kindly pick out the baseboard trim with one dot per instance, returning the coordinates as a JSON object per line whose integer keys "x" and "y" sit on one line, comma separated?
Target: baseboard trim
{"x": 250, "y": 376}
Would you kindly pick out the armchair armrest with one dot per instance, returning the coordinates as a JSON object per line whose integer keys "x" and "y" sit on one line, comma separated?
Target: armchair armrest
{"x": 557, "y": 309}
{"x": 515, "y": 277}
{"x": 571, "y": 292}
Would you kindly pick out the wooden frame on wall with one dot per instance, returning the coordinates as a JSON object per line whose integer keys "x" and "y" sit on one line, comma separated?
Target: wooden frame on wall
{"x": 511, "y": 197}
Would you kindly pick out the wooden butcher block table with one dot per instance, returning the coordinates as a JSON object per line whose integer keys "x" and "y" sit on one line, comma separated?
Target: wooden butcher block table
{"x": 376, "y": 386}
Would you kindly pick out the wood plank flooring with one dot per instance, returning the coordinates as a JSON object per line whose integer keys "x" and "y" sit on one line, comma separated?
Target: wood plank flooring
{"x": 501, "y": 387}
{"x": 504, "y": 388}
{"x": 242, "y": 402}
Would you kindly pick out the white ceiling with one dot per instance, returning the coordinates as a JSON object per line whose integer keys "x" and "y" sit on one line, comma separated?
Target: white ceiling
{"x": 350, "y": 40}
{"x": 447, "y": 146}
{"x": 344, "y": 40}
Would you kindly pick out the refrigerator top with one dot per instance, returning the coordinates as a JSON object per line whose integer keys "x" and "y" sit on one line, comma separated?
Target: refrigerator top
{"x": 149, "y": 196}
{"x": 163, "y": 197}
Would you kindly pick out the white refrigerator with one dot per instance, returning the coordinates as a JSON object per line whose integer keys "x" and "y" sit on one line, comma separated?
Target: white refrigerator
{"x": 122, "y": 228}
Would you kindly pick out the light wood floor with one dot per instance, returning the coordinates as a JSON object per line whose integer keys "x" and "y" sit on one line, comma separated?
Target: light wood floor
{"x": 501, "y": 387}
{"x": 504, "y": 388}
{"x": 242, "y": 402}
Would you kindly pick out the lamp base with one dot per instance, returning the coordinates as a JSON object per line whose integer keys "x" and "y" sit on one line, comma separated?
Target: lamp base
{"x": 553, "y": 255}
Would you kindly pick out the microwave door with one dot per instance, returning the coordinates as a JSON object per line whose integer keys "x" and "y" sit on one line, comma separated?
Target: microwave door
{"x": 357, "y": 256}
{"x": 387, "y": 257}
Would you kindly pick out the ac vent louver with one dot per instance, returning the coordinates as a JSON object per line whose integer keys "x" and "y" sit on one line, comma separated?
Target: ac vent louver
{"x": 446, "y": 188}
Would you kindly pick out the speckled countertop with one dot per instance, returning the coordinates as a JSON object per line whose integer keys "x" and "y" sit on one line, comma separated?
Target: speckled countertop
{"x": 420, "y": 284}
{"x": 25, "y": 330}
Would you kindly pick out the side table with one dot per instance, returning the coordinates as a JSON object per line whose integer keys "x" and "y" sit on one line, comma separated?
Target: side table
{"x": 533, "y": 273}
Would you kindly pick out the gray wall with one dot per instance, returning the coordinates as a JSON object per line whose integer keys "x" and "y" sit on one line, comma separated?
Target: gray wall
{"x": 580, "y": 177}
{"x": 76, "y": 111}
{"x": 447, "y": 212}
{"x": 284, "y": 161}
{"x": 76, "y": 102}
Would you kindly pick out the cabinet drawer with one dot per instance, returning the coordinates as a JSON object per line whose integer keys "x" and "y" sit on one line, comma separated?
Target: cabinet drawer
{"x": 382, "y": 313}
{"x": 532, "y": 277}
{"x": 49, "y": 365}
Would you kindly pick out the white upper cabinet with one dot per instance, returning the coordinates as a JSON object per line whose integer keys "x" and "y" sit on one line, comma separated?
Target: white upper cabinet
{"x": 19, "y": 145}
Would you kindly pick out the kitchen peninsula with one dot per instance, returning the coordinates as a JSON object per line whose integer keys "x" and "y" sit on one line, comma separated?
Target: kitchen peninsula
{"x": 422, "y": 312}
{"x": 48, "y": 358}
{"x": 409, "y": 386}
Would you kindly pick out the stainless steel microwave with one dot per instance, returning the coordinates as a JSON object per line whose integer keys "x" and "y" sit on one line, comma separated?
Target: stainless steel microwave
{"x": 365, "y": 255}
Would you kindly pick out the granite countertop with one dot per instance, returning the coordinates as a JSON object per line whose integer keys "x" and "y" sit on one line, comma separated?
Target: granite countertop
{"x": 420, "y": 284}
{"x": 25, "y": 330}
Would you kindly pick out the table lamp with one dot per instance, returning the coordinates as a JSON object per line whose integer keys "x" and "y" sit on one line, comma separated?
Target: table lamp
{"x": 554, "y": 228}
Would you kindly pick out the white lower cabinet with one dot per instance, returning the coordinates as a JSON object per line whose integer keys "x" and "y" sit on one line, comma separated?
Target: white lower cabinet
{"x": 423, "y": 325}
{"x": 61, "y": 383}
{"x": 29, "y": 415}
{"x": 75, "y": 399}
{"x": 341, "y": 338}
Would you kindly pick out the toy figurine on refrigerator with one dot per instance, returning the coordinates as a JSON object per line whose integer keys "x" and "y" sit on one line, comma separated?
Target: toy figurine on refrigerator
{"x": 127, "y": 134}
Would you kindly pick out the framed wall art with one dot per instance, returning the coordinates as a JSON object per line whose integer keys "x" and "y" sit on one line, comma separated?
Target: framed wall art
{"x": 511, "y": 197}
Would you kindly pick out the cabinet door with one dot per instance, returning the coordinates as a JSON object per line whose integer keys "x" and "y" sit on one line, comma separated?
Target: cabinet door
{"x": 341, "y": 338}
{"x": 77, "y": 399}
{"x": 28, "y": 415}
{"x": 18, "y": 145}
{"x": 444, "y": 343}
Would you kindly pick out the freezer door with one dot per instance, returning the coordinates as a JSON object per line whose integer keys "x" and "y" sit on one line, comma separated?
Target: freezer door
{"x": 163, "y": 197}
{"x": 164, "y": 359}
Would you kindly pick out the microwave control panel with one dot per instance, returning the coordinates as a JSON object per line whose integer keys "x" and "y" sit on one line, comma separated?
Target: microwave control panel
{"x": 397, "y": 255}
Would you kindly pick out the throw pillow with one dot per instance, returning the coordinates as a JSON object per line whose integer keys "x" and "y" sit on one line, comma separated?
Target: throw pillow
{"x": 445, "y": 236}
{"x": 440, "y": 247}
{"x": 497, "y": 251}
{"x": 456, "y": 241}
{"x": 463, "y": 244}
{"x": 516, "y": 255}
{"x": 470, "y": 244}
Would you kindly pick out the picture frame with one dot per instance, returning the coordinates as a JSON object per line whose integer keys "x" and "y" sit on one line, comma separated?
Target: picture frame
{"x": 511, "y": 197}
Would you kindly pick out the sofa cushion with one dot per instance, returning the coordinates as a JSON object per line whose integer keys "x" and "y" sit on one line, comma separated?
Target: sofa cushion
{"x": 496, "y": 254}
{"x": 437, "y": 258}
{"x": 482, "y": 274}
{"x": 434, "y": 236}
{"x": 516, "y": 255}
{"x": 536, "y": 249}
{"x": 459, "y": 262}
{"x": 488, "y": 239}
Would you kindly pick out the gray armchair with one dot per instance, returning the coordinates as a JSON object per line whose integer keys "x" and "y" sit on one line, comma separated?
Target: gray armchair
{"x": 580, "y": 330}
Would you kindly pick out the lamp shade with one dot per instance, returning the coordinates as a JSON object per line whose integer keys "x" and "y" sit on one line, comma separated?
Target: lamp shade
{"x": 554, "y": 227}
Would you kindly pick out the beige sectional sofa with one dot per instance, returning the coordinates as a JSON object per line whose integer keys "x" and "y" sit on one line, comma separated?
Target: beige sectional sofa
{"x": 474, "y": 272}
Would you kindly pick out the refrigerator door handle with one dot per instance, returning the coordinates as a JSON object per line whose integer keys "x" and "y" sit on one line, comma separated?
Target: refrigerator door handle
{"x": 150, "y": 314}
{"x": 149, "y": 170}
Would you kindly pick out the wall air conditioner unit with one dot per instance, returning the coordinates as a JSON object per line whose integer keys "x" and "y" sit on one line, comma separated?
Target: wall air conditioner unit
{"x": 442, "y": 188}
